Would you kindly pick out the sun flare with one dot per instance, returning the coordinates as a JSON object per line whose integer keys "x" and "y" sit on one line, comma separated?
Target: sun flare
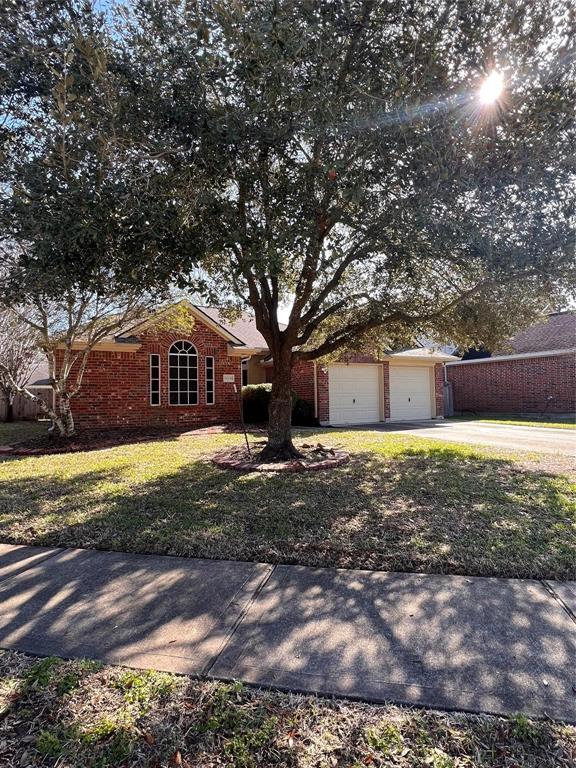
{"x": 491, "y": 88}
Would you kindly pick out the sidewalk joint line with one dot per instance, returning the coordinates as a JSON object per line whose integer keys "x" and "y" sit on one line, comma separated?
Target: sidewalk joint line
{"x": 239, "y": 619}
{"x": 551, "y": 591}
{"x": 5, "y": 579}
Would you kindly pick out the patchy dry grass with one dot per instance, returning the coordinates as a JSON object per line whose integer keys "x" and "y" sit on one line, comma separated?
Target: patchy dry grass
{"x": 402, "y": 503}
{"x": 78, "y": 713}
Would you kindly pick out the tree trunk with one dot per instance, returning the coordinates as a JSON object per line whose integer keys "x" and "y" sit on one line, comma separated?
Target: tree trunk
{"x": 279, "y": 446}
{"x": 7, "y": 395}
{"x": 9, "y": 410}
{"x": 65, "y": 422}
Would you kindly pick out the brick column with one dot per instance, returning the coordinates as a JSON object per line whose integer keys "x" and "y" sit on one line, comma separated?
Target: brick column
{"x": 386, "y": 386}
{"x": 323, "y": 394}
{"x": 439, "y": 389}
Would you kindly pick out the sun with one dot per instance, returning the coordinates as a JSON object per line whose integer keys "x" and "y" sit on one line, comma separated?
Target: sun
{"x": 491, "y": 88}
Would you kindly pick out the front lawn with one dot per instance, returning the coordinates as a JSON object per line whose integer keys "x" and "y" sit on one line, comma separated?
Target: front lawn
{"x": 556, "y": 422}
{"x": 15, "y": 431}
{"x": 401, "y": 504}
{"x": 79, "y": 713}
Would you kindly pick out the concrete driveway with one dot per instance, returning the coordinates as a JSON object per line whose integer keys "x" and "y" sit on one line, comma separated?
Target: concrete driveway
{"x": 540, "y": 439}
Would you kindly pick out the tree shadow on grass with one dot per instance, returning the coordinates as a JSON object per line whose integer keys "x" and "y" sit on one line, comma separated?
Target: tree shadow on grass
{"x": 64, "y": 706}
{"x": 431, "y": 510}
{"x": 45, "y": 443}
{"x": 466, "y": 643}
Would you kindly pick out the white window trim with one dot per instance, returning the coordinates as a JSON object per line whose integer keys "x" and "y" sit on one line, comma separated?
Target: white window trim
{"x": 159, "y": 358}
{"x": 184, "y": 405}
{"x": 206, "y": 358}
{"x": 244, "y": 370}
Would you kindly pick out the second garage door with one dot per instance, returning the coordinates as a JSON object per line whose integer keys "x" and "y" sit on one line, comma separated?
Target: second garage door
{"x": 410, "y": 393}
{"x": 354, "y": 394}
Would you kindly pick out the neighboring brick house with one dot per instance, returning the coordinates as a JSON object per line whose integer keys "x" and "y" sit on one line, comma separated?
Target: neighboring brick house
{"x": 536, "y": 375}
{"x": 144, "y": 377}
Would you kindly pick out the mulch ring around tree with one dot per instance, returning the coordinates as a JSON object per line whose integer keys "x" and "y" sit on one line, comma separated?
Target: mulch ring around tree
{"x": 315, "y": 457}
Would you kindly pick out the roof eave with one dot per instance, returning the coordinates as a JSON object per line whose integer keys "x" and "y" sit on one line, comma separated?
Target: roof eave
{"x": 435, "y": 358}
{"x": 244, "y": 351}
{"x": 518, "y": 356}
{"x": 105, "y": 346}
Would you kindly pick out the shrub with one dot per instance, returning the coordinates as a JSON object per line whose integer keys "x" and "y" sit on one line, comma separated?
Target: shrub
{"x": 255, "y": 402}
{"x": 256, "y": 399}
{"x": 303, "y": 413}
{"x": 48, "y": 744}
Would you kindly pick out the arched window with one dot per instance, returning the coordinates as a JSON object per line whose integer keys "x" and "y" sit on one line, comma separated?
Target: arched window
{"x": 183, "y": 373}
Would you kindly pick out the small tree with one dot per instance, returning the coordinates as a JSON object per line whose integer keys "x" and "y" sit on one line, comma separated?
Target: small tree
{"x": 19, "y": 356}
{"x": 67, "y": 331}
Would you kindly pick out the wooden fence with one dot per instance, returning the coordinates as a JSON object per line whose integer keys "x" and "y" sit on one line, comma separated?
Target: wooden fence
{"x": 25, "y": 409}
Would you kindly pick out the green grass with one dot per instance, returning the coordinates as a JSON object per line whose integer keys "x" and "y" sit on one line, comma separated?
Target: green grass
{"x": 520, "y": 421}
{"x": 205, "y": 724}
{"x": 15, "y": 431}
{"x": 402, "y": 503}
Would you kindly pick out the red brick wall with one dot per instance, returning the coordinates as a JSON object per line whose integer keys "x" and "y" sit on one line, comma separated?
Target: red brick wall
{"x": 439, "y": 388}
{"x": 303, "y": 380}
{"x": 516, "y": 386}
{"x": 116, "y": 386}
{"x": 386, "y": 385}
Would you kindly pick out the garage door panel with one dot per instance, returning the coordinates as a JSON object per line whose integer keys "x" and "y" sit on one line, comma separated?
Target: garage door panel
{"x": 410, "y": 393}
{"x": 354, "y": 394}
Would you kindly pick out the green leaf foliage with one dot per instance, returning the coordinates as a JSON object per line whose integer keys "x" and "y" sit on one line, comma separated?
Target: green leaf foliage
{"x": 333, "y": 158}
{"x": 345, "y": 165}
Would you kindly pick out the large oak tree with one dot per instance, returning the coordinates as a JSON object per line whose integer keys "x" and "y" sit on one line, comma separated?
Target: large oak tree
{"x": 353, "y": 173}
{"x": 336, "y": 158}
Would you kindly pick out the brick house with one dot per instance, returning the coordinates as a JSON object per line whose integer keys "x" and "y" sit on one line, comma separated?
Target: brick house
{"x": 144, "y": 377}
{"x": 536, "y": 375}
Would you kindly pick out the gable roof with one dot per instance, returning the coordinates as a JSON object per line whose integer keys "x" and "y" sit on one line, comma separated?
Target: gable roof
{"x": 558, "y": 331}
{"x": 240, "y": 332}
{"x": 129, "y": 332}
{"x": 244, "y": 328}
{"x": 39, "y": 377}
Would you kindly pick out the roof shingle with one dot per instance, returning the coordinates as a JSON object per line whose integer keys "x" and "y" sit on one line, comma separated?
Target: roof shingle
{"x": 244, "y": 328}
{"x": 558, "y": 331}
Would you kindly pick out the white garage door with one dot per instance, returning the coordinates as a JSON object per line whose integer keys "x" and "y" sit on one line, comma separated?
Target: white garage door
{"x": 410, "y": 393}
{"x": 354, "y": 394}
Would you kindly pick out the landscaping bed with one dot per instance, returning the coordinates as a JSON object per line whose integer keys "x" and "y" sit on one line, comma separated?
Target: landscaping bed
{"x": 401, "y": 504}
{"x": 80, "y": 713}
{"x": 25, "y": 441}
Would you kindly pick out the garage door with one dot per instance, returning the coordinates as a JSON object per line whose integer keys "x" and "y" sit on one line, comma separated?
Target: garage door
{"x": 410, "y": 393}
{"x": 354, "y": 394}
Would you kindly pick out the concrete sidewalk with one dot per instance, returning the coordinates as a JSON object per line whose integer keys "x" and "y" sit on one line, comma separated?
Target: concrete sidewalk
{"x": 497, "y": 645}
